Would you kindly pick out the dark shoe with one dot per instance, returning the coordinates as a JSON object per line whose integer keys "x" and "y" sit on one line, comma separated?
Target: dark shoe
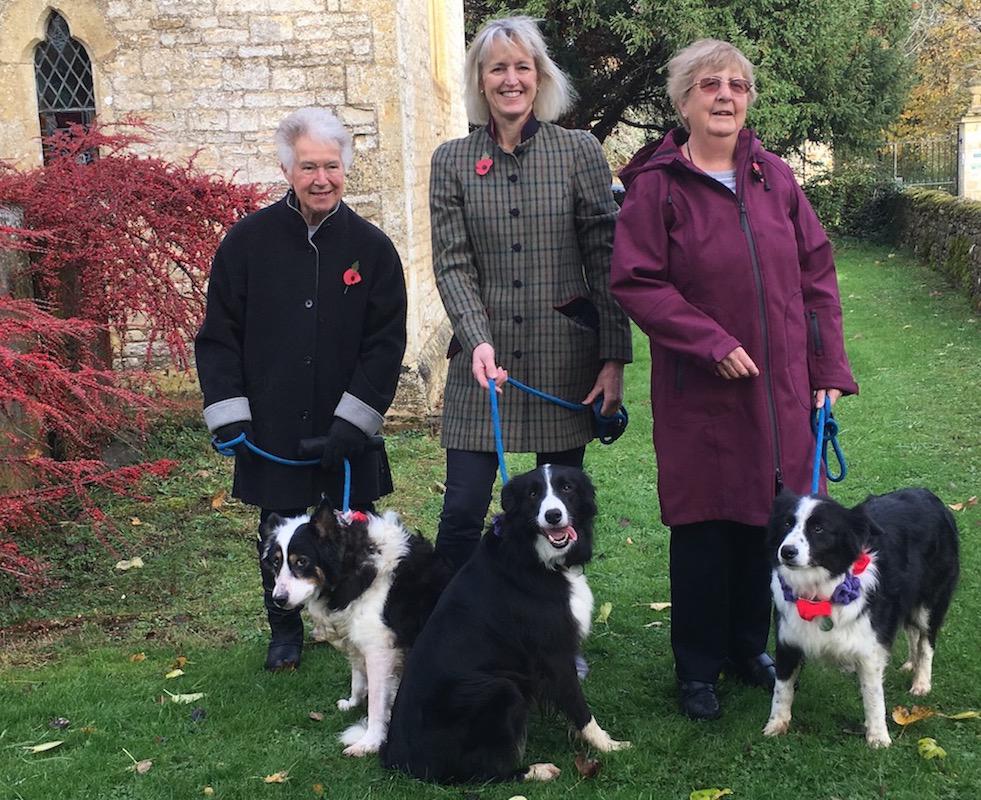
{"x": 283, "y": 656}
{"x": 699, "y": 700}
{"x": 756, "y": 671}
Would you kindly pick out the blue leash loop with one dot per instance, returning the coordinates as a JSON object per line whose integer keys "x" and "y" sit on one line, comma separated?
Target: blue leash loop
{"x": 610, "y": 427}
{"x": 825, "y": 429}
{"x": 228, "y": 449}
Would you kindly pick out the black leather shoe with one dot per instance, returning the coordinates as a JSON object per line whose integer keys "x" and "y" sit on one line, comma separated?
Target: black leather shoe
{"x": 283, "y": 656}
{"x": 699, "y": 700}
{"x": 756, "y": 671}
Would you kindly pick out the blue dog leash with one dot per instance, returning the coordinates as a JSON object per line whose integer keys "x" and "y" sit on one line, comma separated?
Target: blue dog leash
{"x": 825, "y": 429}
{"x": 609, "y": 428}
{"x": 228, "y": 449}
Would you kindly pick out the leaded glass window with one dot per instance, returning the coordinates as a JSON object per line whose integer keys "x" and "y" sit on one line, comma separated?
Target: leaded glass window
{"x": 63, "y": 73}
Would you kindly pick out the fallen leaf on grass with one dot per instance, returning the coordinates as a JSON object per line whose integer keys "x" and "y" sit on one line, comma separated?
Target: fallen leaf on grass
{"x": 709, "y": 794}
{"x": 185, "y": 698}
{"x": 207, "y": 791}
{"x": 136, "y": 658}
{"x": 42, "y": 748}
{"x": 218, "y": 500}
{"x": 318, "y": 789}
{"x": 629, "y": 540}
{"x": 655, "y": 624}
{"x": 180, "y": 662}
{"x": 971, "y": 501}
{"x": 963, "y": 715}
{"x": 904, "y": 717}
{"x": 134, "y": 521}
{"x": 928, "y": 748}
{"x": 88, "y": 730}
{"x": 316, "y": 716}
{"x": 174, "y": 673}
{"x": 587, "y": 767}
{"x": 202, "y": 473}
{"x": 59, "y": 723}
{"x": 130, "y": 563}
{"x": 659, "y": 606}
{"x": 277, "y": 777}
{"x": 604, "y": 612}
{"x": 142, "y": 767}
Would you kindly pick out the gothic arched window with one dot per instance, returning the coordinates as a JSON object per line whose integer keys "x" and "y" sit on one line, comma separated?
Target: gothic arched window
{"x": 63, "y": 73}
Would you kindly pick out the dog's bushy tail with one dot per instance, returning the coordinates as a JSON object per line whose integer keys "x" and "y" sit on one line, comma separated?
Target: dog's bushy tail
{"x": 354, "y": 733}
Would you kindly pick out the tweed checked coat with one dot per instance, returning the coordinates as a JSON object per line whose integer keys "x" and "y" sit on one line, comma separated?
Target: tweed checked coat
{"x": 522, "y": 261}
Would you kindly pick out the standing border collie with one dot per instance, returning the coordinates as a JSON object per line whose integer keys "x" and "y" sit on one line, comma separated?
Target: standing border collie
{"x": 844, "y": 580}
{"x": 504, "y": 634}
{"x": 369, "y": 584}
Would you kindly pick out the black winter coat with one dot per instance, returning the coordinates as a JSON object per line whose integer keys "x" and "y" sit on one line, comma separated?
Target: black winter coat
{"x": 286, "y": 343}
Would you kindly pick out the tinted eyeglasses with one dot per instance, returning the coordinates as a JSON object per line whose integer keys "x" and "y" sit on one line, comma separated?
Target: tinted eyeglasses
{"x": 713, "y": 82}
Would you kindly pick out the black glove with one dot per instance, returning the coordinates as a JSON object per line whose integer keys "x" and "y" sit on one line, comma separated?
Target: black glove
{"x": 344, "y": 440}
{"x": 228, "y": 432}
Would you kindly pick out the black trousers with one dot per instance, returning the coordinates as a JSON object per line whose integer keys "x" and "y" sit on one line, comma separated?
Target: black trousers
{"x": 470, "y": 478}
{"x": 720, "y": 596}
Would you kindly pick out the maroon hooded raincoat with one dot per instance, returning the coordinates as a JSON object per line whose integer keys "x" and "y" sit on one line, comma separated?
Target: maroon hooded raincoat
{"x": 703, "y": 271}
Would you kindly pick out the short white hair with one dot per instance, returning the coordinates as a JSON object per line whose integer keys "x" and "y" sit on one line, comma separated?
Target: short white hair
{"x": 555, "y": 93}
{"x": 321, "y": 126}
{"x": 701, "y": 55}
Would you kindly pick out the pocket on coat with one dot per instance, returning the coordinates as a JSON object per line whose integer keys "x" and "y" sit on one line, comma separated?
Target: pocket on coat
{"x": 580, "y": 311}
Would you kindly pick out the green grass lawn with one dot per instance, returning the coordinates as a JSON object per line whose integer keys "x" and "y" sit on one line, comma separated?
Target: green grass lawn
{"x": 916, "y": 352}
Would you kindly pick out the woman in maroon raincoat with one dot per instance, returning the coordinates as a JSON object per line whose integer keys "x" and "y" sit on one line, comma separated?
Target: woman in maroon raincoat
{"x": 721, "y": 261}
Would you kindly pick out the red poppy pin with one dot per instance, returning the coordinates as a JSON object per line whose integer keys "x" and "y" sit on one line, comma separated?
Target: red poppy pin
{"x": 352, "y": 275}
{"x": 483, "y": 165}
{"x": 757, "y": 171}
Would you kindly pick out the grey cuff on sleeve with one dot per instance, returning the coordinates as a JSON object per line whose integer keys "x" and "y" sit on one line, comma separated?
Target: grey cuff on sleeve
{"x": 359, "y": 414}
{"x": 225, "y": 412}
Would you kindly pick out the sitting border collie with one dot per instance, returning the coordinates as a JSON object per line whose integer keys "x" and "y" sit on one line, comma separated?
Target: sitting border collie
{"x": 504, "y": 634}
{"x": 844, "y": 580}
{"x": 369, "y": 585}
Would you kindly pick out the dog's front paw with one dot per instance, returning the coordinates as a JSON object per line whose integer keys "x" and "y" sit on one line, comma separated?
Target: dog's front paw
{"x": 542, "y": 772}
{"x": 347, "y": 703}
{"x": 364, "y": 746}
{"x": 776, "y": 727}
{"x": 920, "y": 687}
{"x": 877, "y": 739}
{"x": 615, "y": 744}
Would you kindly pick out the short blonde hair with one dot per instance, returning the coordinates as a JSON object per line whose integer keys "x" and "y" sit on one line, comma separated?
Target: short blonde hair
{"x": 555, "y": 93}
{"x": 320, "y": 125}
{"x": 701, "y": 55}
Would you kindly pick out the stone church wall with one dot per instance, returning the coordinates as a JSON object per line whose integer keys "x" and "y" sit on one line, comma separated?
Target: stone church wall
{"x": 214, "y": 77}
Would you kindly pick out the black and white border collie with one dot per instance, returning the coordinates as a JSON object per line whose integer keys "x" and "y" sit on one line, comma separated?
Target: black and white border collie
{"x": 369, "y": 584}
{"x": 505, "y": 634}
{"x": 844, "y": 580}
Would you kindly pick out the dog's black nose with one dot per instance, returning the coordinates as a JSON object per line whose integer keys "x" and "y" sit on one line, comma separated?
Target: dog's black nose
{"x": 280, "y": 600}
{"x": 788, "y": 552}
{"x": 553, "y": 516}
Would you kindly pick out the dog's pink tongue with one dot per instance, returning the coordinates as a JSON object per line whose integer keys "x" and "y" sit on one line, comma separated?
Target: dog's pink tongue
{"x": 566, "y": 531}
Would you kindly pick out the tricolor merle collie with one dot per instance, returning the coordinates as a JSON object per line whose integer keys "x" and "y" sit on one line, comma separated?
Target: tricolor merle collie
{"x": 369, "y": 584}
{"x": 504, "y": 634}
{"x": 844, "y": 580}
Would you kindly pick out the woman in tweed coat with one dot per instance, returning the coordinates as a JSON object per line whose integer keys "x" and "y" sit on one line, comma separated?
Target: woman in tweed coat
{"x": 522, "y": 230}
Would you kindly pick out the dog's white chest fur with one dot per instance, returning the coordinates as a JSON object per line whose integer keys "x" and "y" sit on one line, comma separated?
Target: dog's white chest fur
{"x": 580, "y": 600}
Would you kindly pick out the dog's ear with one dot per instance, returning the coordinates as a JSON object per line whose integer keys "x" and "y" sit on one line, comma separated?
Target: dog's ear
{"x": 324, "y": 520}
{"x": 509, "y": 495}
{"x": 272, "y": 522}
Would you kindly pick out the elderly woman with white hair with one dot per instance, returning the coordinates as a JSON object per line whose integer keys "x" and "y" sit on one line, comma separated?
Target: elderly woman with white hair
{"x": 522, "y": 232}
{"x": 721, "y": 261}
{"x": 303, "y": 337}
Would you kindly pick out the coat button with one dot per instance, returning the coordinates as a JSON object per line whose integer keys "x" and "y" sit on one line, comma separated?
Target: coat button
{"x": 518, "y": 318}
{"x": 515, "y": 212}
{"x": 304, "y": 415}
{"x": 308, "y": 360}
{"x": 516, "y": 283}
{"x": 308, "y": 303}
{"x": 513, "y": 178}
{"x": 516, "y": 354}
{"x": 516, "y": 247}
